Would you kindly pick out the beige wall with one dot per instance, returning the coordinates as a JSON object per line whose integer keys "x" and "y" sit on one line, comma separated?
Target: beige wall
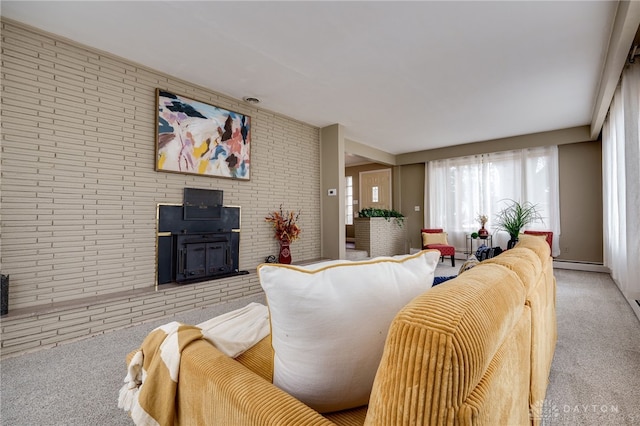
{"x": 79, "y": 190}
{"x": 581, "y": 207}
{"x": 411, "y": 183}
{"x": 580, "y": 169}
{"x": 332, "y": 213}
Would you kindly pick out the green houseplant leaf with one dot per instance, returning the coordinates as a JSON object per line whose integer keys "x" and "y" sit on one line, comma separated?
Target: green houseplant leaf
{"x": 516, "y": 216}
{"x": 387, "y": 214}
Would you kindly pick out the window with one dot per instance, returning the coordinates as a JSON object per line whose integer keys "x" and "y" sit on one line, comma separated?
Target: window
{"x": 348, "y": 193}
{"x": 462, "y": 188}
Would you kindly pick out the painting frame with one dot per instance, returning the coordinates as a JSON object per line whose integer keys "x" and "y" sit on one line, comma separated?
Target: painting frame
{"x": 199, "y": 138}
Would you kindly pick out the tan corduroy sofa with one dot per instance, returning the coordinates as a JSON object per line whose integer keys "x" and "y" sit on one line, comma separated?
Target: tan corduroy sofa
{"x": 474, "y": 350}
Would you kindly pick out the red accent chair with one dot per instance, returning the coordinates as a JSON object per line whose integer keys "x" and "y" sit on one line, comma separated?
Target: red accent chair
{"x": 548, "y": 234}
{"x": 444, "y": 249}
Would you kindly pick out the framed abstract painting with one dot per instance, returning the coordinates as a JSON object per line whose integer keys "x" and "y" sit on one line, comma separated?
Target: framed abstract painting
{"x": 197, "y": 138}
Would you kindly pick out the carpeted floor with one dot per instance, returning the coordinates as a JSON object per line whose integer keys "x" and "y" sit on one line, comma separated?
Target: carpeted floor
{"x": 595, "y": 377}
{"x": 78, "y": 383}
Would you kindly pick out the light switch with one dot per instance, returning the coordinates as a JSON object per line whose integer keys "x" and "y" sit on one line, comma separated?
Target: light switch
{"x": 332, "y": 192}
{"x": 416, "y": 208}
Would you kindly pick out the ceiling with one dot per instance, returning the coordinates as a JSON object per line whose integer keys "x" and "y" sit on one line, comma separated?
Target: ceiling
{"x": 399, "y": 76}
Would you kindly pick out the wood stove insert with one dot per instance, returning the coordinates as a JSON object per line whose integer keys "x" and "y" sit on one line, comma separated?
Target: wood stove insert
{"x": 198, "y": 240}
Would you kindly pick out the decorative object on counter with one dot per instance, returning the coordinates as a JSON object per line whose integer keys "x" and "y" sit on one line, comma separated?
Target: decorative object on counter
{"x": 386, "y": 213}
{"x": 516, "y": 216}
{"x": 482, "y": 232}
{"x": 284, "y": 255}
{"x": 286, "y": 231}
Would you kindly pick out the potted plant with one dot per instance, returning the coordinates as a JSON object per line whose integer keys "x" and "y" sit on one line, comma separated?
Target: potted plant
{"x": 386, "y": 213}
{"x": 516, "y": 216}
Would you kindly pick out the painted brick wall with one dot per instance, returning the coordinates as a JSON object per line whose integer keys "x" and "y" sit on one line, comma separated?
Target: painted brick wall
{"x": 381, "y": 237}
{"x": 79, "y": 190}
{"x": 51, "y": 327}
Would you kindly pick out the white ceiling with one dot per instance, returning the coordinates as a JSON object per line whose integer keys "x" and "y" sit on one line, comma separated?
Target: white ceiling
{"x": 399, "y": 76}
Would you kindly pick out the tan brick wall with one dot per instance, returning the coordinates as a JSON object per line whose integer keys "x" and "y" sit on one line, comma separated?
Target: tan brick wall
{"x": 381, "y": 237}
{"x": 79, "y": 190}
{"x": 46, "y": 328}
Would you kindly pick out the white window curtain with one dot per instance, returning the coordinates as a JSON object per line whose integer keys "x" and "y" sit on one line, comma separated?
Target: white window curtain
{"x": 462, "y": 188}
{"x": 621, "y": 184}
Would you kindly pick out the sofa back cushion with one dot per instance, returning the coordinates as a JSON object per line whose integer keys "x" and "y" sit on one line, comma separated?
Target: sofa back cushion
{"x": 537, "y": 243}
{"x": 441, "y": 345}
{"x": 524, "y": 262}
{"x": 328, "y": 325}
{"x": 531, "y": 260}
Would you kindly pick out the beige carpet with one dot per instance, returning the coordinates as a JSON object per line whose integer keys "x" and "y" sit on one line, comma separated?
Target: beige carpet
{"x": 595, "y": 377}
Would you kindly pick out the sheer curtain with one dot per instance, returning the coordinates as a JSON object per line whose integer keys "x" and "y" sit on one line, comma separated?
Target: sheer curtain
{"x": 621, "y": 184}
{"x": 460, "y": 189}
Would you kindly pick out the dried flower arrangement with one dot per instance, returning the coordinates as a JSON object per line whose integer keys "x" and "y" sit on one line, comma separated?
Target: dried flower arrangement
{"x": 482, "y": 220}
{"x": 284, "y": 224}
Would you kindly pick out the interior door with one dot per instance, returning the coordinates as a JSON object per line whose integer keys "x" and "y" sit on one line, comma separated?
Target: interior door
{"x": 375, "y": 189}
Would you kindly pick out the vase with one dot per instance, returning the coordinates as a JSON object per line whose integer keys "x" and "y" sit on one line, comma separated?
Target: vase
{"x": 285, "y": 253}
{"x": 512, "y": 242}
{"x": 483, "y": 233}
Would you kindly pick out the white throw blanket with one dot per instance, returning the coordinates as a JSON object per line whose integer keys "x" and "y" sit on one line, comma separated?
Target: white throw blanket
{"x": 158, "y": 360}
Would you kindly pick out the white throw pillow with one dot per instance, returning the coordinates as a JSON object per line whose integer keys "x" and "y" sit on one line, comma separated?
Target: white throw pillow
{"x": 329, "y": 324}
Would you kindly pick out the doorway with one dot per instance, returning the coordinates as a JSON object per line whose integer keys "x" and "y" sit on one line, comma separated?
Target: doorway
{"x": 375, "y": 189}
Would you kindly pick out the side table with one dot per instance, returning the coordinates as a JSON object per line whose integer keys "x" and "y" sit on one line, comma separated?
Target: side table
{"x": 478, "y": 242}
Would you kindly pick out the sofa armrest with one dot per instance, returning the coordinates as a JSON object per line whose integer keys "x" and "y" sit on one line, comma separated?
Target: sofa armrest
{"x": 214, "y": 389}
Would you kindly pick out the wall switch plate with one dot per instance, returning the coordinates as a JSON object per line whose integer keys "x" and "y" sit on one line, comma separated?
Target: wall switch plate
{"x": 332, "y": 192}
{"x": 416, "y": 208}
